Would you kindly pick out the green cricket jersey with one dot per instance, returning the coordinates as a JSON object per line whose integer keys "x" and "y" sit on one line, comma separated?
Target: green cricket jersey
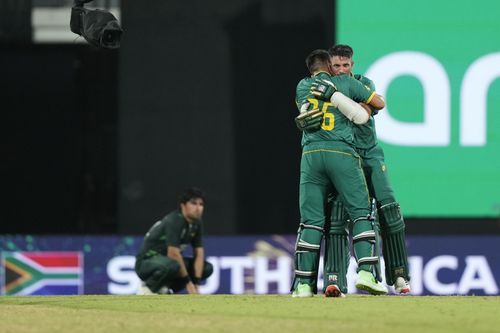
{"x": 365, "y": 136}
{"x": 172, "y": 230}
{"x": 335, "y": 127}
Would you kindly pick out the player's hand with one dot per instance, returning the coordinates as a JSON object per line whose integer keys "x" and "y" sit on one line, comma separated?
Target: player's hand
{"x": 323, "y": 89}
{"x": 191, "y": 288}
{"x": 309, "y": 120}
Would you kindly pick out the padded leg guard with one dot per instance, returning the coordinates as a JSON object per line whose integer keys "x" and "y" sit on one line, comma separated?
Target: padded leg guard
{"x": 364, "y": 244}
{"x": 393, "y": 240}
{"x": 307, "y": 249}
{"x": 336, "y": 261}
{"x": 377, "y": 271}
{"x": 337, "y": 254}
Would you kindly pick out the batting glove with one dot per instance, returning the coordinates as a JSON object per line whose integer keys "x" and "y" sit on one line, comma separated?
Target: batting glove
{"x": 309, "y": 121}
{"x": 323, "y": 89}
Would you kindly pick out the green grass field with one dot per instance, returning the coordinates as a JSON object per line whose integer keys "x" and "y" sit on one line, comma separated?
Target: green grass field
{"x": 231, "y": 313}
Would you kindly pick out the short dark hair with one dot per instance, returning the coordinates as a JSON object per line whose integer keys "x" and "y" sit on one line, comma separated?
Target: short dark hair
{"x": 191, "y": 193}
{"x": 341, "y": 50}
{"x": 316, "y": 60}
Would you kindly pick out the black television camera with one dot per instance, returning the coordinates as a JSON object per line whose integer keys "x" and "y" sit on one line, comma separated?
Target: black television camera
{"x": 99, "y": 27}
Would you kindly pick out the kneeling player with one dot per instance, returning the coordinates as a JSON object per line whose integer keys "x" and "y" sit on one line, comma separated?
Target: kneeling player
{"x": 160, "y": 263}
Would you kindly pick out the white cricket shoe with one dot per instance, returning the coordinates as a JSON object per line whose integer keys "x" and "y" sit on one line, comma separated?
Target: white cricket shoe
{"x": 165, "y": 291}
{"x": 144, "y": 290}
{"x": 402, "y": 286}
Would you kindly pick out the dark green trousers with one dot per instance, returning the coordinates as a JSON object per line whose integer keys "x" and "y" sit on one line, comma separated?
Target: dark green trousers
{"x": 324, "y": 167}
{"x": 376, "y": 174}
{"x": 159, "y": 271}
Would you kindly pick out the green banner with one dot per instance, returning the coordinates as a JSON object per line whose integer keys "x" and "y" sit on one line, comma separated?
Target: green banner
{"x": 438, "y": 65}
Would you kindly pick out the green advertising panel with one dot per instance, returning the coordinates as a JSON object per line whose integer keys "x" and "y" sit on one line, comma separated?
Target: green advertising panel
{"x": 438, "y": 65}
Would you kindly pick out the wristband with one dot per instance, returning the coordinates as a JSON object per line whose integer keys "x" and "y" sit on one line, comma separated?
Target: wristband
{"x": 196, "y": 280}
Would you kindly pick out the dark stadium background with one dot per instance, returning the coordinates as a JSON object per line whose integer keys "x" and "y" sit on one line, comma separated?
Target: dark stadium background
{"x": 101, "y": 142}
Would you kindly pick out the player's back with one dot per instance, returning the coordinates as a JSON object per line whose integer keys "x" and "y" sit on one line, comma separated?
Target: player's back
{"x": 335, "y": 127}
{"x": 155, "y": 239}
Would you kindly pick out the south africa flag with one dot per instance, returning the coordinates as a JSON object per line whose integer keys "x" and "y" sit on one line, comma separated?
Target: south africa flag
{"x": 42, "y": 273}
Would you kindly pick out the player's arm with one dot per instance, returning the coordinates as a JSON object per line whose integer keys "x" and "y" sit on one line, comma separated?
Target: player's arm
{"x": 376, "y": 101}
{"x": 174, "y": 253}
{"x": 199, "y": 260}
{"x": 324, "y": 89}
{"x": 367, "y": 108}
{"x": 366, "y": 93}
{"x": 355, "y": 112}
{"x": 369, "y": 83}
